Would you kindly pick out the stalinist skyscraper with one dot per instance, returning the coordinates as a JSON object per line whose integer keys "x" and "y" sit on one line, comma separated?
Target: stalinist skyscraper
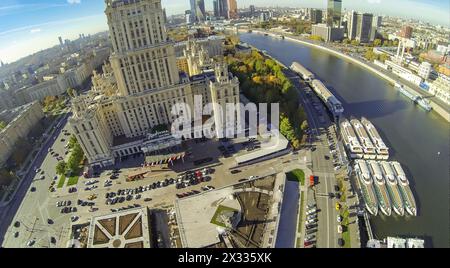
{"x": 137, "y": 90}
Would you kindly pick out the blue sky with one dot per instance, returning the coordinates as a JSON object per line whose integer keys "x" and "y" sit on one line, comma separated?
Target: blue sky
{"x": 27, "y": 26}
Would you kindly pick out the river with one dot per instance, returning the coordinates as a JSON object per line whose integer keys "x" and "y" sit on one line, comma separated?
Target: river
{"x": 414, "y": 136}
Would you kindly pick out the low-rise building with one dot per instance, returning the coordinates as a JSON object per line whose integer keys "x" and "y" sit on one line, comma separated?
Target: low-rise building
{"x": 425, "y": 69}
{"x": 39, "y": 92}
{"x": 404, "y": 73}
{"x": 441, "y": 88}
{"x": 19, "y": 123}
{"x": 327, "y": 33}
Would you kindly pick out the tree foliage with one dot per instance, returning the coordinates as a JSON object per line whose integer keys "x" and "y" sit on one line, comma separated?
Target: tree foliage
{"x": 61, "y": 168}
{"x": 262, "y": 80}
{"x": 75, "y": 160}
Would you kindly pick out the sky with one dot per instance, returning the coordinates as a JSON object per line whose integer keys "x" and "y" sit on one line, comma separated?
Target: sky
{"x": 27, "y": 26}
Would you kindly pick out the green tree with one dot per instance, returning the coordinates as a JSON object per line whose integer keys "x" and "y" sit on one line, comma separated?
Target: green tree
{"x": 2, "y": 125}
{"x": 355, "y": 43}
{"x": 316, "y": 38}
{"x": 61, "y": 168}
{"x": 304, "y": 126}
{"x": 384, "y": 57}
{"x": 346, "y": 41}
{"x": 377, "y": 42}
{"x": 71, "y": 92}
{"x": 286, "y": 128}
{"x": 72, "y": 141}
{"x": 234, "y": 39}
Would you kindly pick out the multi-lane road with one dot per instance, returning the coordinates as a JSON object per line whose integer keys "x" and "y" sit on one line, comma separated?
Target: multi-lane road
{"x": 321, "y": 165}
{"x": 30, "y": 208}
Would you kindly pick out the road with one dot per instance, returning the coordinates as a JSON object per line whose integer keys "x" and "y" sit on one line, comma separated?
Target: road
{"x": 31, "y": 208}
{"x": 323, "y": 168}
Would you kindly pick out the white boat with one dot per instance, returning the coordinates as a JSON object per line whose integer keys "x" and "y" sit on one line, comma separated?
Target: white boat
{"x": 331, "y": 102}
{"x": 406, "y": 92}
{"x": 392, "y": 187}
{"x": 350, "y": 140}
{"x": 424, "y": 103}
{"x": 366, "y": 143}
{"x": 403, "y": 183}
{"x": 380, "y": 146}
{"x": 384, "y": 201}
{"x": 366, "y": 185}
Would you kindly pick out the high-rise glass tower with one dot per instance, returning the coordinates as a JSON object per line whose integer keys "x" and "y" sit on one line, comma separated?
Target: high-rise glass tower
{"x": 334, "y": 13}
{"x": 198, "y": 10}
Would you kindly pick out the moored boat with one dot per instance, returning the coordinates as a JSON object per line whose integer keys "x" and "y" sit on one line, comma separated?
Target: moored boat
{"x": 380, "y": 146}
{"x": 392, "y": 187}
{"x": 350, "y": 140}
{"x": 384, "y": 201}
{"x": 366, "y": 185}
{"x": 366, "y": 143}
{"x": 405, "y": 190}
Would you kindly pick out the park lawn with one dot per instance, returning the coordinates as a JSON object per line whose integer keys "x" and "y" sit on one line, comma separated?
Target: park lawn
{"x": 346, "y": 237}
{"x": 346, "y": 234}
{"x": 61, "y": 181}
{"x": 297, "y": 175}
{"x": 72, "y": 180}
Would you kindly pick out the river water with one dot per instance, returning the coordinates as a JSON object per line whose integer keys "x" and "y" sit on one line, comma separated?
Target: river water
{"x": 414, "y": 136}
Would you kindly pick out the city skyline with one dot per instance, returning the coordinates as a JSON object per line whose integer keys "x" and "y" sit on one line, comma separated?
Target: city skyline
{"x": 29, "y": 26}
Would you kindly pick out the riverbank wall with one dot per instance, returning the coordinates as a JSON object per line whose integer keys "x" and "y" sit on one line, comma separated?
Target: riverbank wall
{"x": 445, "y": 113}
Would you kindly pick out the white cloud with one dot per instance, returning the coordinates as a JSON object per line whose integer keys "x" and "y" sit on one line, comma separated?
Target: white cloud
{"x": 72, "y": 2}
{"x": 374, "y": 1}
{"x": 36, "y": 30}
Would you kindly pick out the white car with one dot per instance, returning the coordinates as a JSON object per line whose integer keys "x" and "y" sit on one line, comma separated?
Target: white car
{"x": 339, "y": 218}
{"x": 339, "y": 229}
{"x": 311, "y": 211}
{"x": 311, "y": 221}
{"x": 31, "y": 243}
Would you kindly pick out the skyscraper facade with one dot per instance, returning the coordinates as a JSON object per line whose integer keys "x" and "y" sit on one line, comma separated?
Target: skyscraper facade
{"x": 361, "y": 27}
{"x": 216, "y": 8}
{"x": 223, "y": 8}
{"x": 61, "y": 43}
{"x": 334, "y": 13}
{"x": 232, "y": 9}
{"x": 316, "y": 16}
{"x": 364, "y": 27}
{"x": 252, "y": 9}
{"x": 138, "y": 90}
{"x": 198, "y": 10}
{"x": 406, "y": 32}
{"x": 351, "y": 25}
